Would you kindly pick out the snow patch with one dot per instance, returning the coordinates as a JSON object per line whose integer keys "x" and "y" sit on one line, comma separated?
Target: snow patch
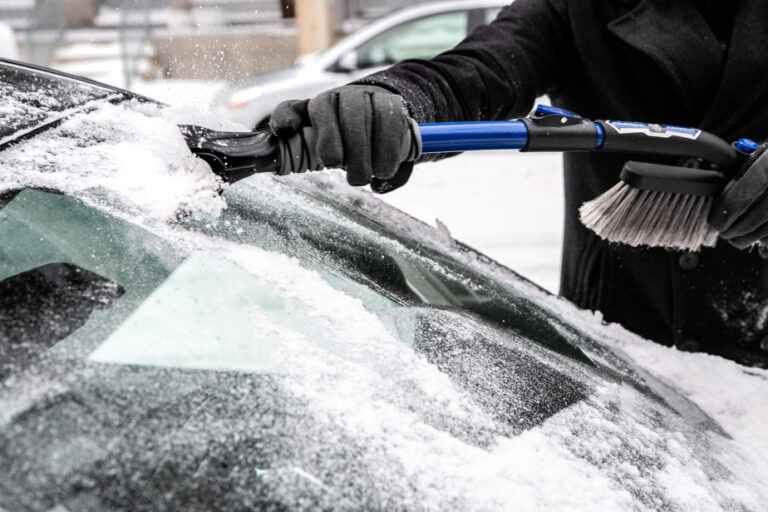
{"x": 129, "y": 159}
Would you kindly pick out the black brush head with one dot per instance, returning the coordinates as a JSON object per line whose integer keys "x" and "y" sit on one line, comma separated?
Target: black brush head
{"x": 673, "y": 180}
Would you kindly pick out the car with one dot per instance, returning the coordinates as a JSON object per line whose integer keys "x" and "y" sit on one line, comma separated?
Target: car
{"x": 8, "y": 47}
{"x": 420, "y": 31}
{"x": 290, "y": 343}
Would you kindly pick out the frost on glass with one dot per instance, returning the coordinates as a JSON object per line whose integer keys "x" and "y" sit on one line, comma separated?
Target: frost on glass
{"x": 261, "y": 366}
{"x": 293, "y": 344}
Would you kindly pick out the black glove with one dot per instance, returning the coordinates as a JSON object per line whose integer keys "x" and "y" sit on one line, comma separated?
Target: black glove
{"x": 740, "y": 213}
{"x": 365, "y": 130}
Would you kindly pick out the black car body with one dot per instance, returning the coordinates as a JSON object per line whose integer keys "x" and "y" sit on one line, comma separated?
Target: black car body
{"x": 307, "y": 348}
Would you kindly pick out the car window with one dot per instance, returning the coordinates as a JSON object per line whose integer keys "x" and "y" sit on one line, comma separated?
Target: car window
{"x": 69, "y": 273}
{"x": 420, "y": 39}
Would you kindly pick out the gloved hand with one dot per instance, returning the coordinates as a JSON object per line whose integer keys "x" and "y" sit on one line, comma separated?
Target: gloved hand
{"x": 365, "y": 130}
{"x": 740, "y": 213}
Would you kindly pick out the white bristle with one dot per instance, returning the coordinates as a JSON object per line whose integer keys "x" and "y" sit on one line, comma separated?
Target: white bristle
{"x": 652, "y": 219}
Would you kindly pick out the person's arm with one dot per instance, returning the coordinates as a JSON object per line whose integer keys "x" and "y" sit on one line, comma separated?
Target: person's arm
{"x": 496, "y": 73}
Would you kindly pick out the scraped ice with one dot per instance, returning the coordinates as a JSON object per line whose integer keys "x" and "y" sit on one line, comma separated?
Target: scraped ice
{"x": 128, "y": 158}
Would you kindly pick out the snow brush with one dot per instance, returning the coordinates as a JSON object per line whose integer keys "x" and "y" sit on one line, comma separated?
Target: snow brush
{"x": 667, "y": 206}
{"x": 653, "y": 205}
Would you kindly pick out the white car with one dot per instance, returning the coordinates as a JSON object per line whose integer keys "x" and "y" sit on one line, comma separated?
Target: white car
{"x": 8, "y": 47}
{"x": 415, "y": 32}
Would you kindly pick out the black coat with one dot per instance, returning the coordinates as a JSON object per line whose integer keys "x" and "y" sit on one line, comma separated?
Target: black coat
{"x": 639, "y": 60}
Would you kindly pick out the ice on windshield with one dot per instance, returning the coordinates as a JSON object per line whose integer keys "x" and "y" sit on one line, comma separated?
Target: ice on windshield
{"x": 392, "y": 404}
{"x": 421, "y": 438}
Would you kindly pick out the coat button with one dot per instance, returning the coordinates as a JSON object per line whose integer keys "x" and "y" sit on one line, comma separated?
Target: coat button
{"x": 689, "y": 261}
{"x": 688, "y": 345}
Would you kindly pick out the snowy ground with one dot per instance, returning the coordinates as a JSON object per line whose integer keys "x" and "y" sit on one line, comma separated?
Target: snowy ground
{"x": 510, "y": 206}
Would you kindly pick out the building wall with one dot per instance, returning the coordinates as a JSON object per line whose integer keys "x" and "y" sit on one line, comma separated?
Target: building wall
{"x": 224, "y": 57}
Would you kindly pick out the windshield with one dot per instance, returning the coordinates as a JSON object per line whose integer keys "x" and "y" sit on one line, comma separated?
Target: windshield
{"x": 263, "y": 293}
{"x": 67, "y": 271}
{"x": 419, "y": 39}
{"x": 126, "y": 278}
{"x": 173, "y": 343}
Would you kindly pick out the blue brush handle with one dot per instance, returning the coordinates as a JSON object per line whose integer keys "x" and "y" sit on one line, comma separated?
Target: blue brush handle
{"x": 473, "y": 136}
{"x": 484, "y": 135}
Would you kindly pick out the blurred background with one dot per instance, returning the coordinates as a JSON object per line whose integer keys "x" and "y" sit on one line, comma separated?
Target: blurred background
{"x": 125, "y": 41}
{"x": 240, "y": 58}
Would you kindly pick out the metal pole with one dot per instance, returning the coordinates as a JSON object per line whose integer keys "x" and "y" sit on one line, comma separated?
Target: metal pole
{"x": 316, "y": 21}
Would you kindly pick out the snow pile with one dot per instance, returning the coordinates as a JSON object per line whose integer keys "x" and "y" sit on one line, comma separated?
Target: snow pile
{"x": 736, "y": 396}
{"x": 615, "y": 450}
{"x": 128, "y": 158}
{"x": 191, "y": 94}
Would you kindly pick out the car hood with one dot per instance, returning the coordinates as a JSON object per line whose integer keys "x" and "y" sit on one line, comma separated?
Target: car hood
{"x": 296, "y": 344}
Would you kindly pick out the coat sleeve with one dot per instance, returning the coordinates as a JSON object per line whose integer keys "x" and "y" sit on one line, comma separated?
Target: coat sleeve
{"x": 495, "y": 73}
